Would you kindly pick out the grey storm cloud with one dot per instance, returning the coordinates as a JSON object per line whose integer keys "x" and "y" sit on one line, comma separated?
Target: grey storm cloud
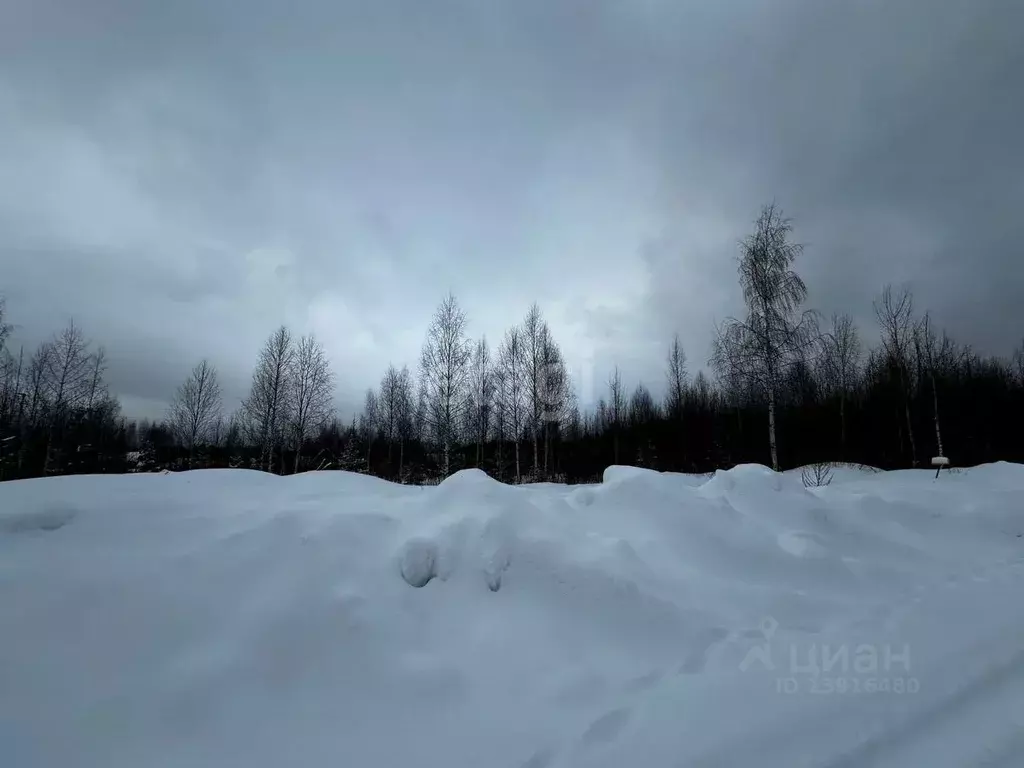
{"x": 181, "y": 177}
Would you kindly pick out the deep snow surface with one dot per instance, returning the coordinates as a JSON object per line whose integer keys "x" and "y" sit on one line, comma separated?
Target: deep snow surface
{"x": 232, "y": 618}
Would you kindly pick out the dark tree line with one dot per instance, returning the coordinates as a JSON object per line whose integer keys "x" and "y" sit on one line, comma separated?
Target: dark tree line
{"x": 56, "y": 413}
{"x": 787, "y": 387}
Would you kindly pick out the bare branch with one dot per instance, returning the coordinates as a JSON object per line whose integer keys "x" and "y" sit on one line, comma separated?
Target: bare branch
{"x": 310, "y": 393}
{"x": 196, "y": 408}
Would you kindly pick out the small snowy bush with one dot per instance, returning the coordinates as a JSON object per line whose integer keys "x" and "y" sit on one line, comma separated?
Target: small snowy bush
{"x": 816, "y": 475}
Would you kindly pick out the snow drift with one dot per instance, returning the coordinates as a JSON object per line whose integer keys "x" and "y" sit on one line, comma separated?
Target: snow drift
{"x": 232, "y": 618}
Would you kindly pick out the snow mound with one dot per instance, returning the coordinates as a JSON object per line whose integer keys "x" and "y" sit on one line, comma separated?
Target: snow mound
{"x": 482, "y": 547}
{"x": 235, "y": 618}
{"x": 419, "y": 561}
{"x": 468, "y": 478}
{"x": 617, "y": 473}
{"x": 748, "y": 478}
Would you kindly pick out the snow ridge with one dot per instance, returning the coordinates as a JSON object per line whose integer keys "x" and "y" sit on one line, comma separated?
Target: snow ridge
{"x": 233, "y": 618}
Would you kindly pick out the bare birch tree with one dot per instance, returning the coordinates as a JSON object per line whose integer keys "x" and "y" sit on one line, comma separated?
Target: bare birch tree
{"x": 196, "y": 408}
{"x": 616, "y": 410}
{"x": 66, "y": 376}
{"x": 37, "y": 385}
{"x": 513, "y": 393}
{"x": 369, "y": 424}
{"x": 444, "y": 371}
{"x": 96, "y": 388}
{"x": 839, "y": 365}
{"x": 309, "y": 393}
{"x": 736, "y": 386}
{"x": 642, "y": 408}
{"x": 500, "y": 414}
{"x": 68, "y": 369}
{"x": 676, "y": 376}
{"x": 895, "y": 313}
{"x": 389, "y": 403}
{"x": 266, "y": 407}
{"x": 481, "y": 378}
{"x": 11, "y": 374}
{"x": 760, "y": 348}
{"x": 534, "y": 332}
{"x": 701, "y": 391}
{"x": 555, "y": 393}
{"x": 406, "y": 420}
{"x": 927, "y": 352}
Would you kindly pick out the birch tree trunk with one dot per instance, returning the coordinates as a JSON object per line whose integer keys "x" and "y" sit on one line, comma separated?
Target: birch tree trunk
{"x": 771, "y": 429}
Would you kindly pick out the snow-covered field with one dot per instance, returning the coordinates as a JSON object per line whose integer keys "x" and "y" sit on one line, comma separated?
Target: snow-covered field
{"x": 231, "y": 618}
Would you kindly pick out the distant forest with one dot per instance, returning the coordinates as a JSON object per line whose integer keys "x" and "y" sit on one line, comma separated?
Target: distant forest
{"x": 789, "y": 387}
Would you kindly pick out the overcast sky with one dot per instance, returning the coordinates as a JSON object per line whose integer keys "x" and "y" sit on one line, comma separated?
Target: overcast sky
{"x": 181, "y": 177}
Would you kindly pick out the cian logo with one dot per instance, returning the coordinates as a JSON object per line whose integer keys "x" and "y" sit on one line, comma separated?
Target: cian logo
{"x": 762, "y": 653}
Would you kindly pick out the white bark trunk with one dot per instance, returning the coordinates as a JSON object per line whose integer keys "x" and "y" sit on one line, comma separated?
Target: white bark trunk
{"x": 771, "y": 429}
